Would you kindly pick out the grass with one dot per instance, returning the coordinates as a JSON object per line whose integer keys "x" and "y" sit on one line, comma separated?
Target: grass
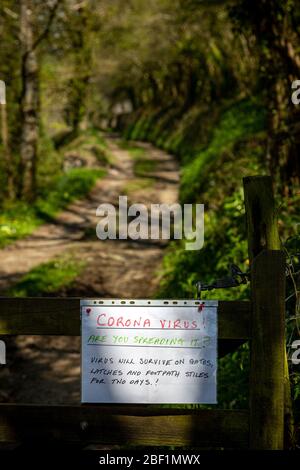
{"x": 237, "y": 123}
{"x": 144, "y": 166}
{"x": 19, "y": 219}
{"x": 137, "y": 184}
{"x": 47, "y": 278}
{"x": 90, "y": 143}
{"x": 58, "y": 189}
{"x": 74, "y": 184}
{"x": 135, "y": 151}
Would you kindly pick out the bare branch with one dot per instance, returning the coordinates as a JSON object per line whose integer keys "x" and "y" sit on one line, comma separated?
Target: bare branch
{"x": 80, "y": 5}
{"x": 11, "y": 13}
{"x": 45, "y": 33}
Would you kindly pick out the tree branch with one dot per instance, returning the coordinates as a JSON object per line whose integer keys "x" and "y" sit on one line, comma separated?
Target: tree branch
{"x": 10, "y": 13}
{"x": 45, "y": 33}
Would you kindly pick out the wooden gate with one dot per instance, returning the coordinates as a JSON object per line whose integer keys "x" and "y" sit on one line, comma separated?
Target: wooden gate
{"x": 261, "y": 320}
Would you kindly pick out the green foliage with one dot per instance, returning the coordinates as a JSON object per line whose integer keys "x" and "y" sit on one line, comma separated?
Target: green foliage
{"x": 239, "y": 122}
{"x": 75, "y": 184}
{"x": 50, "y": 162}
{"x": 136, "y": 151}
{"x": 213, "y": 176}
{"x": 90, "y": 146}
{"x": 292, "y": 248}
{"x": 137, "y": 184}
{"x": 225, "y": 243}
{"x": 16, "y": 221}
{"x": 273, "y": 26}
{"x": 47, "y": 278}
{"x": 143, "y": 167}
{"x": 235, "y": 148}
{"x": 19, "y": 219}
{"x": 233, "y": 379}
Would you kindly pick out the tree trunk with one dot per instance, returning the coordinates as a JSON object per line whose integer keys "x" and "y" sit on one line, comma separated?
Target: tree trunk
{"x": 29, "y": 103}
{"x": 6, "y": 152}
{"x": 78, "y": 85}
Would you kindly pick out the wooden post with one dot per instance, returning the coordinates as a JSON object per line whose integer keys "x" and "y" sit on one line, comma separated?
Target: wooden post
{"x": 267, "y": 351}
{"x": 260, "y": 215}
{"x": 263, "y": 234}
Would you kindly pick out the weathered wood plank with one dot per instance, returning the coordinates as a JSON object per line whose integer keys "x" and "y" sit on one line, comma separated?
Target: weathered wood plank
{"x": 55, "y": 316}
{"x": 124, "y": 425}
{"x": 234, "y": 319}
{"x": 267, "y": 352}
{"x": 261, "y": 219}
{"x": 262, "y": 229}
{"x": 40, "y": 316}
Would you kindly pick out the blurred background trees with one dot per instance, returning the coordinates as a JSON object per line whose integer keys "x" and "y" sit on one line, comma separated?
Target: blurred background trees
{"x": 170, "y": 61}
{"x": 207, "y": 80}
{"x": 274, "y": 27}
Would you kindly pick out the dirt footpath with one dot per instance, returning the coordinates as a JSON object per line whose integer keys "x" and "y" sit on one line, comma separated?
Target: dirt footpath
{"x": 47, "y": 369}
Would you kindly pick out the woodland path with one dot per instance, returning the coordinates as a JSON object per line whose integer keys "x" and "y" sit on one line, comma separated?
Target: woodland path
{"x": 47, "y": 369}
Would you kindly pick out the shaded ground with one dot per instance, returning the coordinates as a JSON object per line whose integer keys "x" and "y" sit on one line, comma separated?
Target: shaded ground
{"x": 47, "y": 369}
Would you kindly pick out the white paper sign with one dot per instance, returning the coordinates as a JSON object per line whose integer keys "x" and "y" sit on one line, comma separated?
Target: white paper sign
{"x": 149, "y": 351}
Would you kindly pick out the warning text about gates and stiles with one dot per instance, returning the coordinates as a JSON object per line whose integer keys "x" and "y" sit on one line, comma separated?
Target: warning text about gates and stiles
{"x": 149, "y": 351}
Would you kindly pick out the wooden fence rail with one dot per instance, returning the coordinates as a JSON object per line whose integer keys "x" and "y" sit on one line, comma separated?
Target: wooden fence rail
{"x": 125, "y": 425}
{"x": 52, "y": 316}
